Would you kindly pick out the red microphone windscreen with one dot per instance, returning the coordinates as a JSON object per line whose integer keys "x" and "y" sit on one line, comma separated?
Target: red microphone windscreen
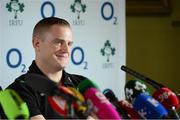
{"x": 132, "y": 113}
{"x": 166, "y": 97}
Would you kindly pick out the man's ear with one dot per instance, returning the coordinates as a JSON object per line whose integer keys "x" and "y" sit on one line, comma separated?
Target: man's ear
{"x": 36, "y": 42}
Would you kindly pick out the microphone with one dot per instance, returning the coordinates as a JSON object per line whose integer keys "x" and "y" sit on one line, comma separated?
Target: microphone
{"x": 73, "y": 109}
{"x": 149, "y": 108}
{"x": 143, "y": 103}
{"x": 85, "y": 84}
{"x": 155, "y": 84}
{"x": 12, "y": 106}
{"x": 102, "y": 107}
{"x": 170, "y": 101}
{"x": 142, "y": 77}
{"x": 63, "y": 106}
{"x": 129, "y": 109}
{"x": 133, "y": 88}
{"x": 84, "y": 108}
{"x": 113, "y": 99}
{"x": 126, "y": 111}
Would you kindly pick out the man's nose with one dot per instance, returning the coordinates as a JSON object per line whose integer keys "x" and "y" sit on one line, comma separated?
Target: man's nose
{"x": 65, "y": 47}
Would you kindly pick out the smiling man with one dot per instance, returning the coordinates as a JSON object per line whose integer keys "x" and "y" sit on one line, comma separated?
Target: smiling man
{"x": 52, "y": 41}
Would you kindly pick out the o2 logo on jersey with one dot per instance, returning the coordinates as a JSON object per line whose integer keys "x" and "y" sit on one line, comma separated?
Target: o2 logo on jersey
{"x": 14, "y": 59}
{"x": 77, "y": 57}
{"x": 107, "y": 12}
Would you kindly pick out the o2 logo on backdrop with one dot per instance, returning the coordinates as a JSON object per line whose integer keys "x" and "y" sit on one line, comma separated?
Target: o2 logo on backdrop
{"x": 14, "y": 58}
{"x": 78, "y": 57}
{"x": 44, "y": 9}
{"x": 107, "y": 12}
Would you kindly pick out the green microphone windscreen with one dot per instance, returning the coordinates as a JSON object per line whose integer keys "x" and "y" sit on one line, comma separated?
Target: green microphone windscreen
{"x": 85, "y": 84}
{"x": 13, "y": 106}
{"x": 133, "y": 88}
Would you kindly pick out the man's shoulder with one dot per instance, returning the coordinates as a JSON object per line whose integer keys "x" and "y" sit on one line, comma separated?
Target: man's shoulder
{"x": 19, "y": 85}
{"x": 76, "y": 78}
{"x": 17, "y": 81}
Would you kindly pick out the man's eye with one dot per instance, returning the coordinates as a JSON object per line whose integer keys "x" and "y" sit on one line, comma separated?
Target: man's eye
{"x": 58, "y": 42}
{"x": 70, "y": 43}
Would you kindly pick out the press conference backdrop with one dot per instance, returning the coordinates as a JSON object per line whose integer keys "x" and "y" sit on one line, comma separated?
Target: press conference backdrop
{"x": 98, "y": 32}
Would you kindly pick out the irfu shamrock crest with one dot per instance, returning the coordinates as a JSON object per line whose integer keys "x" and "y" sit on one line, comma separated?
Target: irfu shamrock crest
{"x": 78, "y": 7}
{"x": 15, "y": 6}
{"x": 107, "y": 50}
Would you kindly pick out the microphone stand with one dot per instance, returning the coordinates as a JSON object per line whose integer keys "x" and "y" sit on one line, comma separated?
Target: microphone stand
{"x": 173, "y": 113}
{"x": 146, "y": 79}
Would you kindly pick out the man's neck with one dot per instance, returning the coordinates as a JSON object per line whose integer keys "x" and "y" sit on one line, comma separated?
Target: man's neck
{"x": 56, "y": 77}
{"x": 51, "y": 74}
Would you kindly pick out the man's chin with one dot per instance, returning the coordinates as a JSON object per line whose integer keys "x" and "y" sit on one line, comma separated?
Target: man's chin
{"x": 62, "y": 66}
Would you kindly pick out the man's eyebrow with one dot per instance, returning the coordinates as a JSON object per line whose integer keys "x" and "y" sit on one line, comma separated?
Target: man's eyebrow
{"x": 58, "y": 39}
{"x": 61, "y": 40}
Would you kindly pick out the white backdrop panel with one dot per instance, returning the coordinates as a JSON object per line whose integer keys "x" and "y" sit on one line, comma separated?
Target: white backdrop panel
{"x": 98, "y": 32}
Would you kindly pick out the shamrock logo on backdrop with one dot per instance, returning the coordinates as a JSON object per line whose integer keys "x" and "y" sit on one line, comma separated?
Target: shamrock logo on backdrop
{"x": 107, "y": 50}
{"x": 78, "y": 7}
{"x": 15, "y": 6}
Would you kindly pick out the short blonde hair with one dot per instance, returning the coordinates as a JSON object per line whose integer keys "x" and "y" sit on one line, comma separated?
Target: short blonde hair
{"x": 43, "y": 25}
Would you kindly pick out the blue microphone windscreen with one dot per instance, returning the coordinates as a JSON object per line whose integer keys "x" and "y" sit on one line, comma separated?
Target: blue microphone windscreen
{"x": 148, "y": 107}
